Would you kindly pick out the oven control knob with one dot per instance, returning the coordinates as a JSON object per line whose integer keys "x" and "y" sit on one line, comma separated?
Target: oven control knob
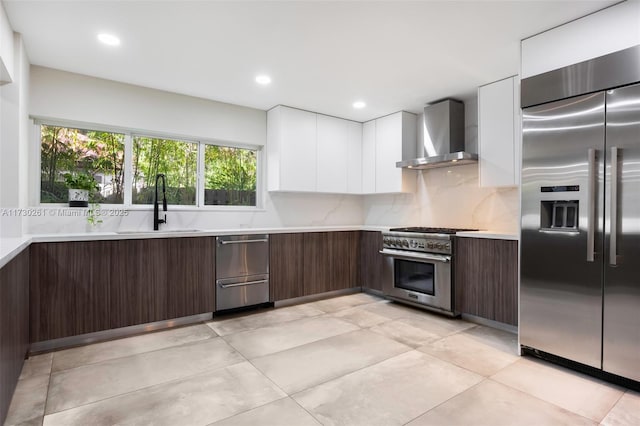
{"x": 439, "y": 245}
{"x": 413, "y": 244}
{"x": 430, "y": 245}
{"x": 396, "y": 242}
{"x": 448, "y": 246}
{"x": 405, "y": 243}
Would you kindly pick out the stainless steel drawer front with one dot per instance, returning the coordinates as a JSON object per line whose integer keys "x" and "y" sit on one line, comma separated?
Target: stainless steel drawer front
{"x": 241, "y": 255}
{"x": 242, "y": 291}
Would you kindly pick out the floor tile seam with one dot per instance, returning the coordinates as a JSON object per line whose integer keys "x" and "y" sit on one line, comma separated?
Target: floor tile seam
{"x": 246, "y": 411}
{"x": 293, "y": 347}
{"x": 448, "y": 399}
{"x": 194, "y": 342}
{"x": 490, "y": 378}
{"x": 21, "y": 379}
{"x": 465, "y": 368}
{"x": 410, "y": 349}
{"x": 45, "y": 400}
{"x": 183, "y": 378}
{"x": 612, "y": 407}
{"x": 269, "y": 325}
{"x": 306, "y": 411}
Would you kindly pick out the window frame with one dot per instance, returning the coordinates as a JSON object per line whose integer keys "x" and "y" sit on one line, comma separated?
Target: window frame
{"x": 129, "y": 135}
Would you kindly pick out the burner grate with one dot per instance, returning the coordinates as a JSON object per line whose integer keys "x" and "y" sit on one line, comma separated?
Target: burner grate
{"x": 430, "y": 230}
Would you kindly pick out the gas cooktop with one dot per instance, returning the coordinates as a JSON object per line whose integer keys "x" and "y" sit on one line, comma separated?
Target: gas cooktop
{"x": 427, "y": 230}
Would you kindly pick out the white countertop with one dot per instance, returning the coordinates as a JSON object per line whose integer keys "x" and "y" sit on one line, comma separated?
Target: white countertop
{"x": 495, "y": 235}
{"x": 11, "y": 247}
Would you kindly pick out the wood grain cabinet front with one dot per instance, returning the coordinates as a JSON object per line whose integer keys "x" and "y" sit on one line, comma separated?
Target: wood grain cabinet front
{"x": 70, "y": 288}
{"x": 14, "y": 325}
{"x": 304, "y": 264}
{"x": 84, "y": 287}
{"x": 371, "y": 261}
{"x": 486, "y": 274}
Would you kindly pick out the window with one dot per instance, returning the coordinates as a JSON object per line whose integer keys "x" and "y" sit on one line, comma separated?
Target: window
{"x": 68, "y": 150}
{"x": 229, "y": 176}
{"x": 125, "y": 166}
{"x": 177, "y": 160}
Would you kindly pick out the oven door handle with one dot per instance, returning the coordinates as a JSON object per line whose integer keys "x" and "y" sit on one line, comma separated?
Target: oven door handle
{"x": 419, "y": 257}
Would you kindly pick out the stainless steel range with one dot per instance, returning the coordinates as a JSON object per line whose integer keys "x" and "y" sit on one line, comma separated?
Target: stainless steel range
{"x": 418, "y": 267}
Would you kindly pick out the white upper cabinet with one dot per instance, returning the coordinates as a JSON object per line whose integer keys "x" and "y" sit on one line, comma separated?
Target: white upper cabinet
{"x": 354, "y": 157}
{"x": 395, "y": 136}
{"x": 499, "y": 133}
{"x": 369, "y": 157}
{"x": 309, "y": 152}
{"x": 291, "y": 150}
{"x": 333, "y": 152}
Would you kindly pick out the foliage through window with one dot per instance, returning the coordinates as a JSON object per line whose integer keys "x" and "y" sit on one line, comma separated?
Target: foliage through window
{"x": 230, "y": 176}
{"x": 177, "y": 160}
{"x": 68, "y": 150}
{"x": 225, "y": 176}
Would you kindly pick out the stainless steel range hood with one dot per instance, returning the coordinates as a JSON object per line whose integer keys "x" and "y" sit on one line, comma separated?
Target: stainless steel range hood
{"x": 443, "y": 142}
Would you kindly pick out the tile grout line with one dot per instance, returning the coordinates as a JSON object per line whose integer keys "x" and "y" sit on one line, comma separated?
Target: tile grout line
{"x": 148, "y": 387}
{"x": 193, "y": 342}
{"x": 447, "y": 400}
{"x": 542, "y": 400}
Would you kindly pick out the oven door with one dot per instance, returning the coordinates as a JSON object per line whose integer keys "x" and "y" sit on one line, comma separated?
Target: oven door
{"x": 423, "y": 279}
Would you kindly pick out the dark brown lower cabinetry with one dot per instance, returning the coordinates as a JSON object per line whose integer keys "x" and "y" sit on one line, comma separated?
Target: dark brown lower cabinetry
{"x": 486, "y": 273}
{"x": 311, "y": 263}
{"x": 84, "y": 287}
{"x": 371, "y": 261}
{"x": 286, "y": 279}
{"x": 14, "y": 326}
{"x": 69, "y": 290}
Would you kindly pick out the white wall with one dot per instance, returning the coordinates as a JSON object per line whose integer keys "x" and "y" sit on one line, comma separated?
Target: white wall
{"x": 6, "y": 48}
{"x": 68, "y": 96}
{"x": 65, "y": 96}
{"x": 612, "y": 29}
{"x": 14, "y": 140}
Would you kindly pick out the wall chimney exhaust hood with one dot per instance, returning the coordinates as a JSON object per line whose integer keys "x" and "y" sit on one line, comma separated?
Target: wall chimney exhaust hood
{"x": 442, "y": 144}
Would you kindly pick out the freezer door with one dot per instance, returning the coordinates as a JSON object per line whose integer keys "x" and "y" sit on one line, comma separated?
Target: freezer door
{"x": 621, "y": 338}
{"x": 562, "y": 228}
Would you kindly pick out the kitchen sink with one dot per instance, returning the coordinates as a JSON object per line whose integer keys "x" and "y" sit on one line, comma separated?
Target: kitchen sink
{"x": 160, "y": 232}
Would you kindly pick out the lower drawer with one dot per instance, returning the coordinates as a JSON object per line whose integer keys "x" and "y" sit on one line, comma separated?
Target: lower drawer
{"x": 238, "y": 292}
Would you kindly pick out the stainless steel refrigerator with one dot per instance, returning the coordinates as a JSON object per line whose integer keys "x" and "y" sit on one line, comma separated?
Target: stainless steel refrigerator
{"x": 580, "y": 241}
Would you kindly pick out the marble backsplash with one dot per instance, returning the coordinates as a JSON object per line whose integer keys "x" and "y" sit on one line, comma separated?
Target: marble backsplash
{"x": 447, "y": 197}
{"x": 279, "y": 210}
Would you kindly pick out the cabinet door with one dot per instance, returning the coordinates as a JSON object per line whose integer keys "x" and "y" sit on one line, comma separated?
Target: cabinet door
{"x": 191, "y": 276}
{"x": 371, "y": 261}
{"x": 343, "y": 255}
{"x": 354, "y": 157}
{"x": 332, "y": 154}
{"x": 316, "y": 262}
{"x": 369, "y": 157}
{"x": 139, "y": 283}
{"x": 486, "y": 272}
{"x": 497, "y": 131}
{"x": 14, "y": 325}
{"x": 285, "y": 266}
{"x": 69, "y": 288}
{"x": 388, "y": 152}
{"x": 297, "y": 151}
{"x": 330, "y": 261}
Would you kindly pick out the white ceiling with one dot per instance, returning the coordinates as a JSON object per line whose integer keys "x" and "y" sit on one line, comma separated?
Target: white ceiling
{"x": 321, "y": 55}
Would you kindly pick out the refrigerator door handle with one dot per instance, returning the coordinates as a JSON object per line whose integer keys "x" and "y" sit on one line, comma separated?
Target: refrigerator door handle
{"x": 591, "y": 205}
{"x": 613, "y": 209}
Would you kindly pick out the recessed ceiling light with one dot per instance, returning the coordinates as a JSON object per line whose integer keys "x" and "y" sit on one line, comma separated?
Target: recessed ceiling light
{"x": 359, "y": 104}
{"x": 263, "y": 79}
{"x": 109, "y": 39}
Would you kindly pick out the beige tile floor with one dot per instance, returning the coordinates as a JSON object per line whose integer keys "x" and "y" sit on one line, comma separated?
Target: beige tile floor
{"x": 351, "y": 360}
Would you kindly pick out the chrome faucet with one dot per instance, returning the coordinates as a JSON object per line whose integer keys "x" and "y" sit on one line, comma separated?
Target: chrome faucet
{"x": 156, "y": 214}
